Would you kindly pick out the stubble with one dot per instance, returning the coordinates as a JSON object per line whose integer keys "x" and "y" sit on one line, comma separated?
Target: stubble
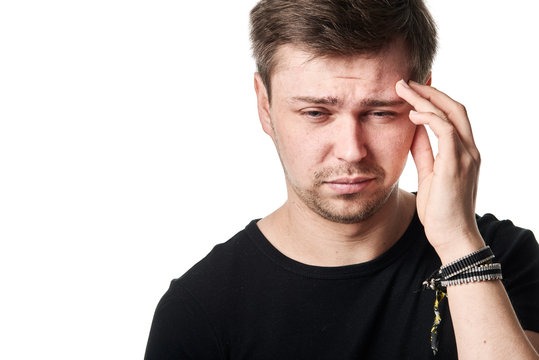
{"x": 346, "y": 208}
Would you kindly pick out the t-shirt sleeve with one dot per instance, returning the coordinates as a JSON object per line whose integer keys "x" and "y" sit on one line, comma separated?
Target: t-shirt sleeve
{"x": 518, "y": 252}
{"x": 181, "y": 329}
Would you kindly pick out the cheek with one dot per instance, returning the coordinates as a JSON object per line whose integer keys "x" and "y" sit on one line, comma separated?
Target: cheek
{"x": 391, "y": 144}
{"x": 405, "y": 136}
{"x": 299, "y": 150}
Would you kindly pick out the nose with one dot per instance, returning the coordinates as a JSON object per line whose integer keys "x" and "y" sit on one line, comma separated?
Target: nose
{"x": 349, "y": 140}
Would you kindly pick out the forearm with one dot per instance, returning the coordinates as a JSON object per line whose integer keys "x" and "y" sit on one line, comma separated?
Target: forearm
{"x": 485, "y": 324}
{"x": 484, "y": 321}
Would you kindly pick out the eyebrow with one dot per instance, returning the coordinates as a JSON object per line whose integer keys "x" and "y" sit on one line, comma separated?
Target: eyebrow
{"x": 331, "y": 100}
{"x": 326, "y": 100}
{"x": 382, "y": 103}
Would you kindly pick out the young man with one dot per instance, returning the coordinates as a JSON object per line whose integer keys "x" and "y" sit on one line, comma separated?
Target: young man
{"x": 337, "y": 271}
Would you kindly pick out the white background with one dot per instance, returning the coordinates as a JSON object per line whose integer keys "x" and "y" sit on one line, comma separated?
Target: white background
{"x": 130, "y": 145}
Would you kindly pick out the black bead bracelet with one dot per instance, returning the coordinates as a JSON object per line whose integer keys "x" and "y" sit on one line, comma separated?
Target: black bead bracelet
{"x": 478, "y": 257}
{"x": 474, "y": 267}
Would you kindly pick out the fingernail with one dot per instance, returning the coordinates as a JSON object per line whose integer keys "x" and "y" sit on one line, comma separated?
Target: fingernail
{"x": 404, "y": 83}
{"x": 413, "y": 112}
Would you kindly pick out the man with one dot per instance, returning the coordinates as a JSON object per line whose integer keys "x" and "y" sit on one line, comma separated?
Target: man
{"x": 337, "y": 271}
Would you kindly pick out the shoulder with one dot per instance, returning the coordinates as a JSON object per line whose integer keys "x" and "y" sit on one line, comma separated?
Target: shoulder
{"x": 213, "y": 271}
{"x": 490, "y": 226}
{"x": 186, "y": 323}
{"x": 518, "y": 252}
{"x": 221, "y": 264}
{"x": 224, "y": 272}
{"x": 505, "y": 238}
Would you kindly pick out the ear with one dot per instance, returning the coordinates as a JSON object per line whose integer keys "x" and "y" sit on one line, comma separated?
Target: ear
{"x": 263, "y": 105}
{"x": 429, "y": 80}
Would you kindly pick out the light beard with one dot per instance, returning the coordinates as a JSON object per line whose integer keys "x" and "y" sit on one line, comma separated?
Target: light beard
{"x": 346, "y": 208}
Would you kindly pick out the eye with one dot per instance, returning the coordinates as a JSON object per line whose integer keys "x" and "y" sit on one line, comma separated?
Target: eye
{"x": 380, "y": 116}
{"x": 315, "y": 115}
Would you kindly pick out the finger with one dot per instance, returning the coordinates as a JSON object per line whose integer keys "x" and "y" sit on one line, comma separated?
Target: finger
{"x": 422, "y": 153}
{"x": 448, "y": 139}
{"x": 455, "y": 112}
{"x": 419, "y": 102}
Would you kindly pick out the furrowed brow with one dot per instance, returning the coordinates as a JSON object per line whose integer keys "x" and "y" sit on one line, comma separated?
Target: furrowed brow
{"x": 330, "y": 100}
{"x": 382, "y": 103}
{"x": 327, "y": 100}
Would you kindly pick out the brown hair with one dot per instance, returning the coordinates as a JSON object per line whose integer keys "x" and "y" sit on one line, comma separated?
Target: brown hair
{"x": 342, "y": 28}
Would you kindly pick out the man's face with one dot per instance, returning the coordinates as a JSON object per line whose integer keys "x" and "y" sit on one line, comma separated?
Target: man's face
{"x": 341, "y": 131}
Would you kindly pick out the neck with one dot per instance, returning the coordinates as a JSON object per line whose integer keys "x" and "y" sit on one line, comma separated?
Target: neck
{"x": 304, "y": 236}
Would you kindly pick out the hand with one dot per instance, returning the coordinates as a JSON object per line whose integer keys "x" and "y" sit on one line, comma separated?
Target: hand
{"x": 447, "y": 185}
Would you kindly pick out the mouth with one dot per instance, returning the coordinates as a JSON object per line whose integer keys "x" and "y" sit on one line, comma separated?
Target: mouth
{"x": 352, "y": 185}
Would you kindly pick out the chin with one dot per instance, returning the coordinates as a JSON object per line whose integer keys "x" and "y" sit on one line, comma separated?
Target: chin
{"x": 350, "y": 208}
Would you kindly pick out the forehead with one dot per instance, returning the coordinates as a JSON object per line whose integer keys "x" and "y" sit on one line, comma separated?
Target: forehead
{"x": 298, "y": 70}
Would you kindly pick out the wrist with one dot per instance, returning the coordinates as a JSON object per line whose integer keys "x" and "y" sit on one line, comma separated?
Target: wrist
{"x": 459, "y": 247}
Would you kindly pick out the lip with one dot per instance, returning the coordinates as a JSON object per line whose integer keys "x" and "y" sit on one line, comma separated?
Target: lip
{"x": 353, "y": 185}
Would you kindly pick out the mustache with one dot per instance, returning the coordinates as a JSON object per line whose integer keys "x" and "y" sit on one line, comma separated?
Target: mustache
{"x": 350, "y": 170}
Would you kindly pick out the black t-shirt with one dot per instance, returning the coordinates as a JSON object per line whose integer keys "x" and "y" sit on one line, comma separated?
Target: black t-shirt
{"x": 246, "y": 300}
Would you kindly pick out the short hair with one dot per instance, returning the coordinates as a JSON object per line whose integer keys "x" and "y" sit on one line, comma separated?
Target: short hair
{"x": 342, "y": 28}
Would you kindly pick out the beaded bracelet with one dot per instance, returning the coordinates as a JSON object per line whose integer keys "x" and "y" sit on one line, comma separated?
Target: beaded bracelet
{"x": 459, "y": 266}
{"x": 474, "y": 267}
{"x": 478, "y": 257}
{"x": 486, "y": 272}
